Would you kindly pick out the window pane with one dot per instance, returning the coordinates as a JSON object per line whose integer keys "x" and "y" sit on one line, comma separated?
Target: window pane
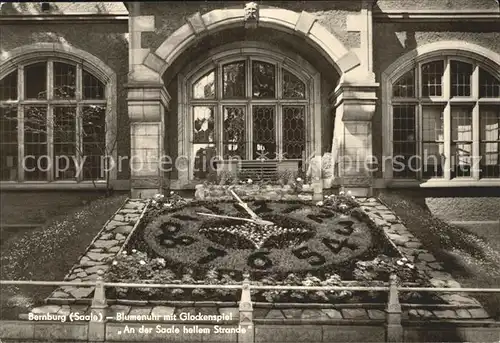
{"x": 64, "y": 131}
{"x": 460, "y": 78}
{"x": 489, "y": 87}
{"x": 294, "y": 139}
{"x": 405, "y": 86}
{"x": 404, "y": 143}
{"x": 203, "y": 124}
{"x": 432, "y": 75}
{"x": 234, "y": 132}
{"x": 8, "y": 143}
{"x": 35, "y": 143}
{"x": 204, "y": 156}
{"x": 64, "y": 80}
{"x": 93, "y": 136}
{"x": 234, "y": 80}
{"x": 92, "y": 87}
{"x": 263, "y": 80}
{"x": 461, "y": 135}
{"x": 432, "y": 123}
{"x": 490, "y": 141}
{"x": 264, "y": 134}
{"x": 433, "y": 160}
{"x": 293, "y": 88}
{"x": 8, "y": 87}
{"x": 35, "y": 81}
{"x": 204, "y": 88}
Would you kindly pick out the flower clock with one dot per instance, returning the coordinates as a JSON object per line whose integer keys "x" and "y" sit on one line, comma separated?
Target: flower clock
{"x": 259, "y": 236}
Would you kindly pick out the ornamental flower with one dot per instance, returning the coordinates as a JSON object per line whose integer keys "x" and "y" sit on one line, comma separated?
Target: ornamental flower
{"x": 341, "y": 193}
{"x": 115, "y": 263}
{"x": 320, "y": 203}
{"x": 124, "y": 252}
{"x": 134, "y": 251}
{"x": 167, "y": 205}
{"x": 409, "y": 265}
{"x": 172, "y": 192}
{"x": 400, "y": 263}
{"x": 299, "y": 179}
{"x": 142, "y": 262}
{"x": 249, "y": 181}
{"x": 349, "y": 193}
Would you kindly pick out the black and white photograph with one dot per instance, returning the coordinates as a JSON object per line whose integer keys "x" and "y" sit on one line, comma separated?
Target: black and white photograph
{"x": 250, "y": 171}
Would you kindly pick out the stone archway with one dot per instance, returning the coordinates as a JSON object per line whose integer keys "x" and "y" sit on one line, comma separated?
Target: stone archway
{"x": 148, "y": 98}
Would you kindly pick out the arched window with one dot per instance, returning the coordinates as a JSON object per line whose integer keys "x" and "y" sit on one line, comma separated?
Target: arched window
{"x": 446, "y": 121}
{"x": 249, "y": 109}
{"x": 52, "y": 122}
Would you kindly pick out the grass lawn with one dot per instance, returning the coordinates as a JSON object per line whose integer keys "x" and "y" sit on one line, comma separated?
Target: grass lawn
{"x": 48, "y": 252}
{"x": 470, "y": 253}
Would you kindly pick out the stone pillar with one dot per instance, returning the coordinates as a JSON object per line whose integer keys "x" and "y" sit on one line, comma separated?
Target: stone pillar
{"x": 147, "y": 106}
{"x": 354, "y": 108}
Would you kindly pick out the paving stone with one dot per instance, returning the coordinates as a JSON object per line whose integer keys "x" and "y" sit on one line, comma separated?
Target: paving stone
{"x": 82, "y": 274}
{"x": 376, "y": 314}
{"x": 95, "y": 269}
{"x": 292, "y": 313}
{"x": 380, "y": 222}
{"x": 275, "y": 314}
{"x": 413, "y": 245}
{"x": 463, "y": 313}
{"x": 106, "y": 236}
{"x": 87, "y": 262}
{"x": 398, "y": 239}
{"x": 81, "y": 292}
{"x": 114, "y": 309}
{"x": 105, "y": 243}
{"x": 140, "y": 311}
{"x": 400, "y": 228}
{"x": 59, "y": 294}
{"x": 426, "y": 257}
{"x": 445, "y": 314}
{"x": 112, "y": 224}
{"x": 332, "y": 313}
{"x": 98, "y": 250}
{"x": 119, "y": 217}
{"x": 478, "y": 313}
{"x": 124, "y": 229}
{"x": 114, "y": 249}
{"x": 459, "y": 299}
{"x": 230, "y": 310}
{"x": 52, "y": 309}
{"x": 314, "y": 314}
{"x": 435, "y": 265}
{"x": 354, "y": 313}
{"x": 120, "y": 237}
{"x": 128, "y": 211}
{"x": 161, "y": 311}
{"x": 98, "y": 257}
{"x": 425, "y": 313}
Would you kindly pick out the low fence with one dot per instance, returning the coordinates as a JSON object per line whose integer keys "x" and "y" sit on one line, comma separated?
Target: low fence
{"x": 393, "y": 319}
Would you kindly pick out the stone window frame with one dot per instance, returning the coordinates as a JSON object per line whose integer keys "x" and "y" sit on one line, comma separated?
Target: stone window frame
{"x": 54, "y": 52}
{"x": 246, "y": 51}
{"x": 479, "y": 57}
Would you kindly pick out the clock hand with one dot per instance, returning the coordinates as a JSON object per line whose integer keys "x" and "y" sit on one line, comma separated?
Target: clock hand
{"x": 255, "y": 221}
{"x": 245, "y": 206}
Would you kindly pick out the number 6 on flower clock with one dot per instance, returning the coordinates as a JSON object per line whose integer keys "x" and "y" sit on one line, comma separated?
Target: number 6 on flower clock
{"x": 213, "y": 254}
{"x": 304, "y": 253}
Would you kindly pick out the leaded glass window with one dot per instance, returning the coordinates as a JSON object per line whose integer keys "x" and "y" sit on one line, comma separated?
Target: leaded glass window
{"x": 47, "y": 127}
{"x": 436, "y": 118}
{"x": 247, "y": 109}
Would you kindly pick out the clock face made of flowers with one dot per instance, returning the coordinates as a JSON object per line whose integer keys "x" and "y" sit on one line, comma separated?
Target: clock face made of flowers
{"x": 264, "y": 236}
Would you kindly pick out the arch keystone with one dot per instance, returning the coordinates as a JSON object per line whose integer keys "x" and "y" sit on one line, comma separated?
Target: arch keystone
{"x": 197, "y": 24}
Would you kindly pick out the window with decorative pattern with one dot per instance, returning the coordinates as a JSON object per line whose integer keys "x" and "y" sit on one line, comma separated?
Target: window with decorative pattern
{"x": 247, "y": 109}
{"x": 446, "y": 121}
{"x": 52, "y": 123}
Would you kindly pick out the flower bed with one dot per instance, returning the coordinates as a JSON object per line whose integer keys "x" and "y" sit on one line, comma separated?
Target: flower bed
{"x": 172, "y": 246}
{"x": 255, "y": 190}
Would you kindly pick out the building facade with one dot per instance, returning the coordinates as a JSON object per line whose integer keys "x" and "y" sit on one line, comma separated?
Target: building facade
{"x": 397, "y": 93}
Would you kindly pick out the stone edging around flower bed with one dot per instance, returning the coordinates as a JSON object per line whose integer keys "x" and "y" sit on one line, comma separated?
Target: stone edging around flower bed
{"x": 107, "y": 244}
{"x": 460, "y": 306}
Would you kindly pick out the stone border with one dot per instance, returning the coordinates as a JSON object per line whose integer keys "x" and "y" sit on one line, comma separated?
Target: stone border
{"x": 106, "y": 245}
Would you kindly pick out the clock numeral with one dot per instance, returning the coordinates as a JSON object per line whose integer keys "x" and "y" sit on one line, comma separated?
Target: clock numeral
{"x": 347, "y": 229}
{"x": 213, "y": 253}
{"x": 318, "y": 218}
{"x": 335, "y": 245}
{"x": 259, "y": 260}
{"x": 304, "y": 253}
{"x": 172, "y": 242}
